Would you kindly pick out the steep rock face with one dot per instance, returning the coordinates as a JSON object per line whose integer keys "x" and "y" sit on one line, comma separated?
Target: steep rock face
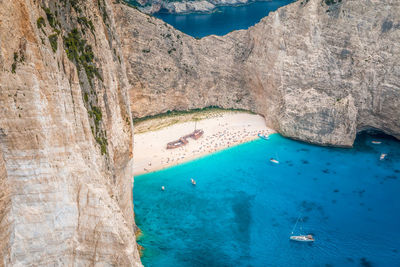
{"x": 317, "y": 72}
{"x": 65, "y": 136}
{"x": 169, "y": 70}
{"x": 4, "y": 209}
{"x": 342, "y": 51}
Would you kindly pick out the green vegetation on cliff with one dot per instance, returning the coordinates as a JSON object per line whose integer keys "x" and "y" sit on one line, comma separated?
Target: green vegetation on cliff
{"x": 81, "y": 54}
{"x": 40, "y": 23}
{"x": 53, "y": 41}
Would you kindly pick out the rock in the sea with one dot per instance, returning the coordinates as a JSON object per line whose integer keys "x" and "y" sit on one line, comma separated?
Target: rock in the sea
{"x": 191, "y": 6}
{"x": 154, "y": 6}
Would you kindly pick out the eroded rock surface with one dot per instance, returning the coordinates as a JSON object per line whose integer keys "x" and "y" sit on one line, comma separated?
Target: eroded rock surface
{"x": 65, "y": 136}
{"x": 317, "y": 72}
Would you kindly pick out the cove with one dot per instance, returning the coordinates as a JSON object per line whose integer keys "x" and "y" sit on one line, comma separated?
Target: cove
{"x": 223, "y": 19}
{"x": 243, "y": 208}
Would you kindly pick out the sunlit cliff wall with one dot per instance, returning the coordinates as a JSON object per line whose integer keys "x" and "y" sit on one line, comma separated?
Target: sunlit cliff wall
{"x": 65, "y": 136}
{"x": 316, "y": 72}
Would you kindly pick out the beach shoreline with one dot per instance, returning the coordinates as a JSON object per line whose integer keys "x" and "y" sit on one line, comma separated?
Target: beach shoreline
{"x": 221, "y": 131}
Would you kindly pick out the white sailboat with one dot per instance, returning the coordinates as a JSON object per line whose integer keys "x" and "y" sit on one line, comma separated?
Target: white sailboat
{"x": 300, "y": 238}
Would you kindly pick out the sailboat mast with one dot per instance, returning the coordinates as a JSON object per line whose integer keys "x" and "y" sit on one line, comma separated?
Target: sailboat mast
{"x": 294, "y": 227}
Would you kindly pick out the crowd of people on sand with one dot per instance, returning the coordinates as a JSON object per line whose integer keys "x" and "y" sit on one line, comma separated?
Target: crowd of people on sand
{"x": 218, "y": 134}
{"x": 211, "y": 143}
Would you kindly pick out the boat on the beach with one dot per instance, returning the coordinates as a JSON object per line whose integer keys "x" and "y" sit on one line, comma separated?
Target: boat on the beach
{"x": 376, "y": 142}
{"x": 196, "y": 134}
{"x": 178, "y": 143}
{"x": 302, "y": 238}
{"x": 263, "y": 136}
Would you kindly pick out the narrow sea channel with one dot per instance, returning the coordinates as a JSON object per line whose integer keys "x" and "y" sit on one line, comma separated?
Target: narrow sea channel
{"x": 243, "y": 208}
{"x": 223, "y": 19}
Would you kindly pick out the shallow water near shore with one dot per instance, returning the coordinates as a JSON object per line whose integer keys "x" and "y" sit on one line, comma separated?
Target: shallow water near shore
{"x": 243, "y": 208}
{"x": 223, "y": 19}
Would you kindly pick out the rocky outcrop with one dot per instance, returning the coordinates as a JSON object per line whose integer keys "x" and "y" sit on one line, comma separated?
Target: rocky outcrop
{"x": 154, "y": 6}
{"x": 169, "y": 70}
{"x": 65, "y": 137}
{"x": 318, "y": 70}
{"x": 190, "y": 6}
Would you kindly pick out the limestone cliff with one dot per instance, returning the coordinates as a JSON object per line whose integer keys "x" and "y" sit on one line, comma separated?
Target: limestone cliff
{"x": 65, "y": 137}
{"x": 318, "y": 70}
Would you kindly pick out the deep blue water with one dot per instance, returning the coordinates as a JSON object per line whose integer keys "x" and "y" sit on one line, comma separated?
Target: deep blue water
{"x": 243, "y": 208}
{"x": 223, "y": 20}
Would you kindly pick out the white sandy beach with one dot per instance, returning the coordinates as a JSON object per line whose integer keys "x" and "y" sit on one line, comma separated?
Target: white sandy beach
{"x": 222, "y": 131}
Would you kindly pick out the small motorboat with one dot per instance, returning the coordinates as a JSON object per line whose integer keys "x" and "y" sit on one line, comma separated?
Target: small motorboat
{"x": 162, "y": 188}
{"x": 193, "y": 181}
{"x": 376, "y": 142}
{"x": 383, "y": 156}
{"x": 263, "y": 136}
{"x": 274, "y": 161}
{"x": 302, "y": 238}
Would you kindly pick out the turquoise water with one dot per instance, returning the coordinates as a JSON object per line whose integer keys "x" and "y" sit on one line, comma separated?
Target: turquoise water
{"x": 243, "y": 208}
{"x": 223, "y": 20}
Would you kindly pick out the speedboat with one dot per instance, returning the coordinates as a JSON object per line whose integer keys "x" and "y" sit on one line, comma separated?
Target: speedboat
{"x": 382, "y": 157}
{"x": 274, "y": 161}
{"x": 376, "y": 142}
{"x": 263, "y": 136}
{"x": 302, "y": 238}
